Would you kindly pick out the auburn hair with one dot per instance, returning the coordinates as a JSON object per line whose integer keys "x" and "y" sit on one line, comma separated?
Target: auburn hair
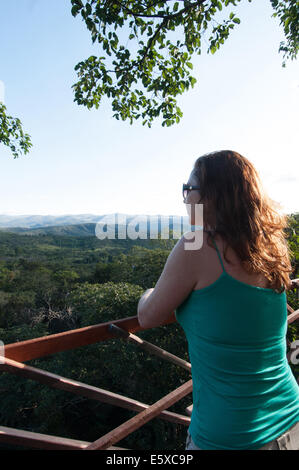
{"x": 236, "y": 206}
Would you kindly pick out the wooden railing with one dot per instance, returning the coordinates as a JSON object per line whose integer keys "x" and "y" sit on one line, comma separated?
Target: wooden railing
{"x": 16, "y": 354}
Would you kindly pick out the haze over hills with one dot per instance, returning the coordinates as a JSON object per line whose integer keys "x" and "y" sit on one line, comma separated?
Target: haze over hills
{"x": 88, "y": 224}
{"x": 34, "y": 221}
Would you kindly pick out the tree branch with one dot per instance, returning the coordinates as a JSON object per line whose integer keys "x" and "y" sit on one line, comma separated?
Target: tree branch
{"x": 165, "y": 17}
{"x": 163, "y": 23}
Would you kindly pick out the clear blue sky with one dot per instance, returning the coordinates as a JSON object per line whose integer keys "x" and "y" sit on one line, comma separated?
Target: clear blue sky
{"x": 86, "y": 162}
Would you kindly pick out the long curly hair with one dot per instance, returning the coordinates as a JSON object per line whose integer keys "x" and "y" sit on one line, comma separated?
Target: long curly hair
{"x": 237, "y": 207}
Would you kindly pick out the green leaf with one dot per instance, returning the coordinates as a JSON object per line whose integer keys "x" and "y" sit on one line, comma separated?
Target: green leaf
{"x": 159, "y": 65}
{"x": 88, "y": 9}
{"x": 12, "y": 134}
{"x": 176, "y": 6}
{"x": 75, "y": 10}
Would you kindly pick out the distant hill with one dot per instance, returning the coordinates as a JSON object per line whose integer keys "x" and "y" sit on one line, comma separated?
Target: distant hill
{"x": 36, "y": 221}
{"x": 66, "y": 226}
{"x": 84, "y": 225}
{"x": 76, "y": 230}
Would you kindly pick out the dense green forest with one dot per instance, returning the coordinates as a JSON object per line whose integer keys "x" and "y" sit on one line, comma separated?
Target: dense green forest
{"x": 51, "y": 283}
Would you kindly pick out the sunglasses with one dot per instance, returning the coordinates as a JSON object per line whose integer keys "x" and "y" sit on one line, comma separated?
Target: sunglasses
{"x": 187, "y": 188}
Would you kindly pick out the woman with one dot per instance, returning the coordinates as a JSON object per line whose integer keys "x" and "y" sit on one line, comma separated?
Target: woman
{"x": 229, "y": 296}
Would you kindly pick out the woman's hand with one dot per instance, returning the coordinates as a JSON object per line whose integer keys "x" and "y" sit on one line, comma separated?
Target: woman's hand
{"x": 294, "y": 284}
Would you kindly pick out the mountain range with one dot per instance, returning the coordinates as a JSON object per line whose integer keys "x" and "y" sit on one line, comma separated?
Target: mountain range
{"x": 85, "y": 224}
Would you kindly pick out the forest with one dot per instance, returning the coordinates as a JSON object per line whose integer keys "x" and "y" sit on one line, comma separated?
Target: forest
{"x": 51, "y": 283}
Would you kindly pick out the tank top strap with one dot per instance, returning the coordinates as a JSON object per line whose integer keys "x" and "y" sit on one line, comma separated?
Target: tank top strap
{"x": 219, "y": 256}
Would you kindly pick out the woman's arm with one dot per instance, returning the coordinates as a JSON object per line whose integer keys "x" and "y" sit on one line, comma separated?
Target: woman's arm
{"x": 144, "y": 296}
{"x": 142, "y": 300}
{"x": 157, "y": 305}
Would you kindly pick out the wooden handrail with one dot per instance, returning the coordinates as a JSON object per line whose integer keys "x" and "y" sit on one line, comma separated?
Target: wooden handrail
{"x": 43, "y": 441}
{"x": 149, "y": 347}
{"x": 23, "y": 351}
{"x": 136, "y": 422}
{"x": 88, "y": 391}
{"x": 289, "y": 309}
{"x": 293, "y": 316}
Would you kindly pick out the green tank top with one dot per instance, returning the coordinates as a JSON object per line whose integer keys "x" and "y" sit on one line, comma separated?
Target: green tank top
{"x": 244, "y": 391}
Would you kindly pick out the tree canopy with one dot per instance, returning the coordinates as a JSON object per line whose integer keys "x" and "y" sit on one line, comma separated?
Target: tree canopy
{"x": 147, "y": 48}
{"x": 12, "y": 134}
